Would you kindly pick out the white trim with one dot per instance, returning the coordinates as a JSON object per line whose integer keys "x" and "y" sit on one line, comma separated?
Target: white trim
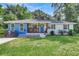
{"x": 20, "y": 27}
{"x": 54, "y": 26}
{"x": 66, "y": 25}
{"x": 62, "y": 23}
{"x": 11, "y": 27}
{"x": 27, "y": 21}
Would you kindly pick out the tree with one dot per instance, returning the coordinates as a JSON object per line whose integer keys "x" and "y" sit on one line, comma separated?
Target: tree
{"x": 1, "y": 10}
{"x": 68, "y": 9}
{"x": 14, "y": 12}
{"x": 70, "y": 12}
{"x": 1, "y": 16}
{"x": 38, "y": 14}
{"x": 57, "y": 8}
{"x": 9, "y": 16}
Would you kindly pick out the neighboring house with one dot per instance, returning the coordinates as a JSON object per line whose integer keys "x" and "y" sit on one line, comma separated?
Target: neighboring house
{"x": 38, "y": 27}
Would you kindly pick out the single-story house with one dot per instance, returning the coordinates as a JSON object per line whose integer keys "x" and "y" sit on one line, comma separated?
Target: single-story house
{"x": 38, "y": 27}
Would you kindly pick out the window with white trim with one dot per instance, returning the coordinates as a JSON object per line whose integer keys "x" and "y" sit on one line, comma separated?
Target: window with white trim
{"x": 21, "y": 27}
{"x": 12, "y": 27}
{"x": 53, "y": 26}
{"x": 66, "y": 26}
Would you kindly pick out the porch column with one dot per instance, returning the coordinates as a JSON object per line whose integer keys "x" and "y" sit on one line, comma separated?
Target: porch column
{"x": 46, "y": 27}
{"x": 26, "y": 28}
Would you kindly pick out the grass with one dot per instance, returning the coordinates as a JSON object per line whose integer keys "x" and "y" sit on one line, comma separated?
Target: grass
{"x": 2, "y": 32}
{"x": 49, "y": 46}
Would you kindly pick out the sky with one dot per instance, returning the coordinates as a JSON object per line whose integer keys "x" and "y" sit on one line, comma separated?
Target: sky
{"x": 45, "y": 7}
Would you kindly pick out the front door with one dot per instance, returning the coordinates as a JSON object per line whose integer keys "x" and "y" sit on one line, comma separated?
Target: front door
{"x": 41, "y": 29}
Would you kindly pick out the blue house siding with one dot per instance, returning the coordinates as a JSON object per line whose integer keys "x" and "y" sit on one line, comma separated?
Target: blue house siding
{"x": 25, "y": 31}
{"x": 25, "y": 28}
{"x": 21, "y": 33}
{"x": 17, "y": 29}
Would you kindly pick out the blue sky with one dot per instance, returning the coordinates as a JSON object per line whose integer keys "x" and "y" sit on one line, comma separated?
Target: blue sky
{"x": 45, "y": 7}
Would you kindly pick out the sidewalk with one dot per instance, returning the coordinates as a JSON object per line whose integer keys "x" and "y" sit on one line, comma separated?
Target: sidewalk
{"x": 4, "y": 40}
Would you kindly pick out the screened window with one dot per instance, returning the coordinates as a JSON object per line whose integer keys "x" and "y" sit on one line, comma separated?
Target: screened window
{"x": 12, "y": 27}
{"x": 21, "y": 27}
{"x": 66, "y": 26}
{"x": 35, "y": 28}
{"x": 53, "y": 26}
{"x": 32, "y": 28}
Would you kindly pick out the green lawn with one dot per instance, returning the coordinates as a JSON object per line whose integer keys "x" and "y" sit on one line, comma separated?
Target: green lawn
{"x": 49, "y": 46}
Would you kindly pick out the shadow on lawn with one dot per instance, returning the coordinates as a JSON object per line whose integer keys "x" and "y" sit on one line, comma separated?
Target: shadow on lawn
{"x": 62, "y": 39}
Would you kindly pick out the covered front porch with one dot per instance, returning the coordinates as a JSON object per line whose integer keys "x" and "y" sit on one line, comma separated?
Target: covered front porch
{"x": 37, "y": 27}
{"x": 28, "y": 27}
{"x": 34, "y": 29}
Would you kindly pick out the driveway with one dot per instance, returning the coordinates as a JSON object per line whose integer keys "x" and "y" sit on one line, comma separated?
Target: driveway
{"x": 4, "y": 40}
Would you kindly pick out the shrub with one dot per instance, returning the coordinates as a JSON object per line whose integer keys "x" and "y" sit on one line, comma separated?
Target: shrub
{"x": 71, "y": 32}
{"x": 76, "y": 28}
{"x": 2, "y": 32}
{"x": 52, "y": 32}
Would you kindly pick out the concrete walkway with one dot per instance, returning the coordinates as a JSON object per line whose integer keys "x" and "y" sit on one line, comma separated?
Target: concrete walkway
{"x": 4, "y": 40}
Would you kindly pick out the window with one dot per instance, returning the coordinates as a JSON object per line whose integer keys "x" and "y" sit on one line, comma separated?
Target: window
{"x": 53, "y": 26}
{"x": 21, "y": 27}
{"x": 66, "y": 26}
{"x": 32, "y": 28}
{"x": 12, "y": 27}
{"x": 35, "y": 28}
